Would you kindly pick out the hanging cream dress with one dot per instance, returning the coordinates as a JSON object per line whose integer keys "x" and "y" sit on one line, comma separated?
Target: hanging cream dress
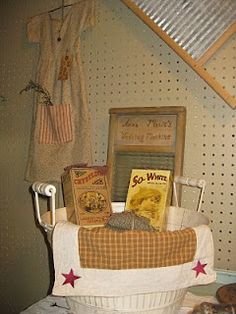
{"x": 61, "y": 132}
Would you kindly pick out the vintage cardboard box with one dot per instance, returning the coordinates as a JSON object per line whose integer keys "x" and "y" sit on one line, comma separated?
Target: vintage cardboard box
{"x": 149, "y": 195}
{"x": 86, "y": 195}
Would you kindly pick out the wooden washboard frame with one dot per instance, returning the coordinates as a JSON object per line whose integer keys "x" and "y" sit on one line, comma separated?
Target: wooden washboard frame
{"x": 148, "y": 11}
{"x": 147, "y": 137}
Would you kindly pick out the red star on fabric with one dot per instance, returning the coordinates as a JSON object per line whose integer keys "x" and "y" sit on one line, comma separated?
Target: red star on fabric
{"x": 70, "y": 278}
{"x": 199, "y": 268}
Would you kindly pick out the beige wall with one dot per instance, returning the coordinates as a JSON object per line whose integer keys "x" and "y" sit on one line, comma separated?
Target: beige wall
{"x": 126, "y": 65}
{"x": 24, "y": 255}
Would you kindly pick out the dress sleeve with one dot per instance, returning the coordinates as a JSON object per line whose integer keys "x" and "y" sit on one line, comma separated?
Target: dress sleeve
{"x": 90, "y": 12}
{"x": 33, "y": 29}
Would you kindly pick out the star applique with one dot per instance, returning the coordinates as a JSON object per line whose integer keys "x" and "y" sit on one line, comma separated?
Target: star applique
{"x": 70, "y": 278}
{"x": 199, "y": 268}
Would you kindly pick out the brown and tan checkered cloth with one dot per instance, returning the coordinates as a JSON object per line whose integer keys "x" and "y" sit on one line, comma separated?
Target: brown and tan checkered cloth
{"x": 103, "y": 248}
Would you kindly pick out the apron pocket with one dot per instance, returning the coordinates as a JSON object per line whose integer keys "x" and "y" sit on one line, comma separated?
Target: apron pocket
{"x": 55, "y": 124}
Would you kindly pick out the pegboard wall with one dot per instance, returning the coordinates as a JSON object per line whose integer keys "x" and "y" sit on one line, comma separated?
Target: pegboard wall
{"x": 129, "y": 65}
{"x": 126, "y": 65}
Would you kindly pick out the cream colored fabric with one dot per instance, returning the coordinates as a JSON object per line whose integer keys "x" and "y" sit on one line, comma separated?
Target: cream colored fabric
{"x": 48, "y": 156}
{"x": 102, "y": 282}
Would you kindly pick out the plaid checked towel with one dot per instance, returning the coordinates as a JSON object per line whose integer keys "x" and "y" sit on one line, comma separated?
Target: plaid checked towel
{"x": 104, "y": 248}
{"x": 104, "y": 262}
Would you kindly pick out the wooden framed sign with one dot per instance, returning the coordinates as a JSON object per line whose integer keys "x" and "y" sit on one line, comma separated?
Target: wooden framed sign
{"x": 147, "y": 137}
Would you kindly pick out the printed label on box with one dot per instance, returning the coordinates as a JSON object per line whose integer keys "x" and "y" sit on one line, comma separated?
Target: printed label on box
{"x": 90, "y": 204}
{"x": 149, "y": 195}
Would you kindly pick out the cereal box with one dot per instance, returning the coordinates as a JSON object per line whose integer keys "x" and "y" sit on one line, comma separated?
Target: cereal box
{"x": 86, "y": 195}
{"x": 149, "y": 195}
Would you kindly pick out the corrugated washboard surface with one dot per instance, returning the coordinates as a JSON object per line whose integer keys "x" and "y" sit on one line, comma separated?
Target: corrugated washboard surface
{"x": 126, "y": 161}
{"x": 194, "y": 25}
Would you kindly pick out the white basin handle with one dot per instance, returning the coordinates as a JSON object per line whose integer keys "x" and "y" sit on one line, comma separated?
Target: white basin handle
{"x": 48, "y": 190}
{"x": 198, "y": 183}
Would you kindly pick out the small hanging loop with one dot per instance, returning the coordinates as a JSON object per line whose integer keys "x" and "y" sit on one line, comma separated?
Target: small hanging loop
{"x": 62, "y": 19}
{"x": 62, "y": 10}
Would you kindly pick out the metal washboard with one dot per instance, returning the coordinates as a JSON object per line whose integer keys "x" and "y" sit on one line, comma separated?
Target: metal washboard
{"x": 194, "y": 29}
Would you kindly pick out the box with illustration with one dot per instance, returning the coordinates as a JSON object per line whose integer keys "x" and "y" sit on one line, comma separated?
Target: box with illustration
{"x": 86, "y": 195}
{"x": 149, "y": 195}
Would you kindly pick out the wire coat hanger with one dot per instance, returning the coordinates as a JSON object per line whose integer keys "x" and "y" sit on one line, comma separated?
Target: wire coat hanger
{"x": 60, "y": 7}
{"x": 64, "y": 6}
